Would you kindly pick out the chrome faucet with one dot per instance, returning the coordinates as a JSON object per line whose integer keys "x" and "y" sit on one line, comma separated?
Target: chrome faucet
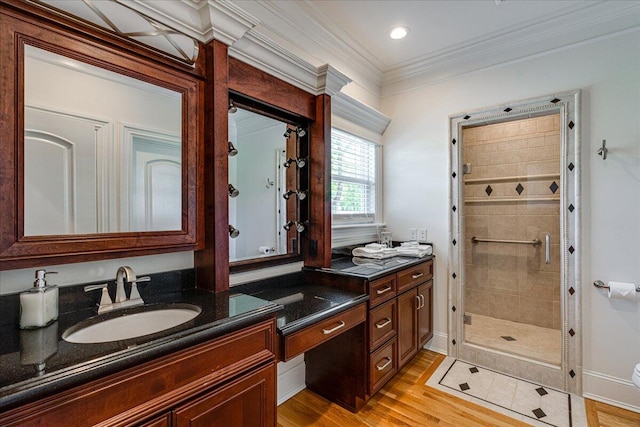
{"x": 124, "y": 273}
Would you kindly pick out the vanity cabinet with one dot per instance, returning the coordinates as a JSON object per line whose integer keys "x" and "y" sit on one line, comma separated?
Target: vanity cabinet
{"x": 228, "y": 381}
{"x": 399, "y": 319}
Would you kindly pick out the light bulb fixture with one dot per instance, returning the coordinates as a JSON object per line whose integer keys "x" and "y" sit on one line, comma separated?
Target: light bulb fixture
{"x": 233, "y": 191}
{"x": 232, "y": 107}
{"x": 232, "y": 150}
{"x": 398, "y": 33}
{"x": 300, "y": 195}
{"x": 233, "y": 232}
{"x": 298, "y": 130}
{"x": 299, "y": 226}
{"x": 301, "y": 162}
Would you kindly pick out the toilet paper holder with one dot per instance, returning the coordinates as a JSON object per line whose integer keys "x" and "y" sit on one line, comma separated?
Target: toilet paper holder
{"x": 601, "y": 284}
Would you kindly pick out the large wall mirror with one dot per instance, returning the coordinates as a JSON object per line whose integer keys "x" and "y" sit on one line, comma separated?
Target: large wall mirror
{"x": 102, "y": 153}
{"x": 267, "y": 184}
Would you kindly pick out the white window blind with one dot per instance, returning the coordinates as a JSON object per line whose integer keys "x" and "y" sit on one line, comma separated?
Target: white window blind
{"x": 353, "y": 179}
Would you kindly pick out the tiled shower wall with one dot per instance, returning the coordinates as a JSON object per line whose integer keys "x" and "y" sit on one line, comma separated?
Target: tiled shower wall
{"x": 506, "y": 199}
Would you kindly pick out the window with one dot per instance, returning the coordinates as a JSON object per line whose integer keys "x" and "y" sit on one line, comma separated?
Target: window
{"x": 354, "y": 169}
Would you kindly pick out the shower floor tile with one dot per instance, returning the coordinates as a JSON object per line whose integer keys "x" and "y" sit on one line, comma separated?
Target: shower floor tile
{"x": 532, "y": 342}
{"x": 523, "y": 400}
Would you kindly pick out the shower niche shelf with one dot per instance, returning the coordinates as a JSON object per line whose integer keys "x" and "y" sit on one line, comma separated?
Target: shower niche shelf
{"x": 511, "y": 178}
{"x": 511, "y": 199}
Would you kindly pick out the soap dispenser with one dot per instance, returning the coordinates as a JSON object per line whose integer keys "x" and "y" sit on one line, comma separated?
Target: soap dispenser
{"x": 39, "y": 305}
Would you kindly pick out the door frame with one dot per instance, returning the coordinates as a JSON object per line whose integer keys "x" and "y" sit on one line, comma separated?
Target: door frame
{"x": 567, "y": 105}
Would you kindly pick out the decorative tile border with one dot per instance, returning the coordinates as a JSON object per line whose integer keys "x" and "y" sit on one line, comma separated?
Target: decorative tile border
{"x": 523, "y": 400}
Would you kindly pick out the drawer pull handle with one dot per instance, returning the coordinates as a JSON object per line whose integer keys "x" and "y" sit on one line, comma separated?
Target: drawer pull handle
{"x": 417, "y": 275}
{"x": 383, "y": 290}
{"x": 387, "y": 363}
{"x": 385, "y": 322}
{"x": 328, "y": 331}
{"x": 422, "y": 301}
{"x": 418, "y": 304}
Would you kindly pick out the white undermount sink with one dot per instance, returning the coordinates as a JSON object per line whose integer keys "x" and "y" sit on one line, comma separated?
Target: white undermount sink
{"x": 122, "y": 326}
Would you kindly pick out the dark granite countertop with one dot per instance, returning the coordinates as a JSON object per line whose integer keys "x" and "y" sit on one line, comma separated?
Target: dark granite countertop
{"x": 67, "y": 364}
{"x": 371, "y": 269}
{"x": 304, "y": 303}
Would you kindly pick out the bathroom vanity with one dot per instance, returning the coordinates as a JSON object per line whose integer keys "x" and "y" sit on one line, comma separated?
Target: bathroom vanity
{"x": 399, "y": 321}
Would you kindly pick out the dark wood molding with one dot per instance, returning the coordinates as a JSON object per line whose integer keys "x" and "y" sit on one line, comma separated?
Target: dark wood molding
{"x": 317, "y": 242}
{"x": 212, "y": 262}
{"x": 256, "y": 84}
{"x": 19, "y": 251}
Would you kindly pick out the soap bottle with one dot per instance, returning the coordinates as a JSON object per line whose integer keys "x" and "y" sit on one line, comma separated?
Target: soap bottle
{"x": 39, "y": 305}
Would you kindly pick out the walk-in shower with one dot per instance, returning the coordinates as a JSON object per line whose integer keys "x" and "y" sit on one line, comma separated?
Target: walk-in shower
{"x": 514, "y": 300}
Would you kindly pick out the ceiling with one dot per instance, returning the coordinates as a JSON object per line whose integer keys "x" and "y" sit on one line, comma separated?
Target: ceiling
{"x": 446, "y": 38}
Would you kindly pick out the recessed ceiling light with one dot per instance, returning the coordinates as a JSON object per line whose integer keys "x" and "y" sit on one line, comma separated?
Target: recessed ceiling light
{"x": 398, "y": 33}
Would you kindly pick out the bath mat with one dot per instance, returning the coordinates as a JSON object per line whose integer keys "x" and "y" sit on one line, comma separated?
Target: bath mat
{"x": 520, "y": 399}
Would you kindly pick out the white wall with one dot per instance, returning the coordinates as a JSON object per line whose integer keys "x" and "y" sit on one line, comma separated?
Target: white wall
{"x": 416, "y": 182}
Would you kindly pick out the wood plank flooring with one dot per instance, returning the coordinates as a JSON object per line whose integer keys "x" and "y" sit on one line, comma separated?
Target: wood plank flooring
{"x": 406, "y": 401}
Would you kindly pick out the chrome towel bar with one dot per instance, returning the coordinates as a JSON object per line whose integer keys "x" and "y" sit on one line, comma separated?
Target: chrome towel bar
{"x": 534, "y": 242}
{"x": 600, "y": 284}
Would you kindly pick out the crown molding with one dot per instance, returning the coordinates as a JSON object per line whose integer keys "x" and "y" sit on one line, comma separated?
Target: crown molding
{"x": 354, "y": 111}
{"x": 266, "y": 55}
{"x": 330, "y": 80}
{"x": 547, "y": 34}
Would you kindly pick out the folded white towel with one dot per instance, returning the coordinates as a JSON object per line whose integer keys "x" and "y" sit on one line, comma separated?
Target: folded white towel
{"x": 374, "y": 253}
{"x": 409, "y": 244}
{"x": 376, "y": 246}
{"x": 415, "y": 251}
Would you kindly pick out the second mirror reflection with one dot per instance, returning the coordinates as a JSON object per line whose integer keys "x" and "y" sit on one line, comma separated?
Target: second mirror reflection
{"x": 258, "y": 152}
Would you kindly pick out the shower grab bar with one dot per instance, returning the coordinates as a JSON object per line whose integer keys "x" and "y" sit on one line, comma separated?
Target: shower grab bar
{"x": 600, "y": 284}
{"x": 534, "y": 242}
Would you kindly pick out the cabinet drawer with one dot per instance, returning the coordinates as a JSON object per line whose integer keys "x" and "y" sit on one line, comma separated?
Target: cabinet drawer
{"x": 382, "y": 324}
{"x": 382, "y": 366}
{"x": 382, "y": 290}
{"x": 314, "y": 335}
{"x": 415, "y": 275}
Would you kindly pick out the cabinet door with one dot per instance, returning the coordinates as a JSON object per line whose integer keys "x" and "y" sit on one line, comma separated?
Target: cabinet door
{"x": 246, "y": 402}
{"x": 425, "y": 314}
{"x": 408, "y": 304}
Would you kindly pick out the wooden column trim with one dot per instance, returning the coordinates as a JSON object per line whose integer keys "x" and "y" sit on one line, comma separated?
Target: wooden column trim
{"x": 212, "y": 263}
{"x": 317, "y": 244}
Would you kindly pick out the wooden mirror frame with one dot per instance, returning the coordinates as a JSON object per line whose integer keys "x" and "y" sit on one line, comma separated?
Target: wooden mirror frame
{"x": 26, "y": 23}
{"x": 225, "y": 75}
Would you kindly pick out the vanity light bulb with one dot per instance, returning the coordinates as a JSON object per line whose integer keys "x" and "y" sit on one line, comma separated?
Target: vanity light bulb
{"x": 301, "y": 132}
{"x": 233, "y": 191}
{"x": 299, "y": 227}
{"x": 301, "y": 195}
{"x": 301, "y": 163}
{"x": 233, "y": 232}
{"x": 288, "y": 225}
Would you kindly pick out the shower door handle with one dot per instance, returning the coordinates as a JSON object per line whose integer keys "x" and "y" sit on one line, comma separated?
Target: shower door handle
{"x": 547, "y": 247}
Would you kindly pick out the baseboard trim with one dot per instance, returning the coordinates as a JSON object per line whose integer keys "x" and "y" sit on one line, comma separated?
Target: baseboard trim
{"x": 618, "y": 392}
{"x": 291, "y": 378}
{"x": 438, "y": 343}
